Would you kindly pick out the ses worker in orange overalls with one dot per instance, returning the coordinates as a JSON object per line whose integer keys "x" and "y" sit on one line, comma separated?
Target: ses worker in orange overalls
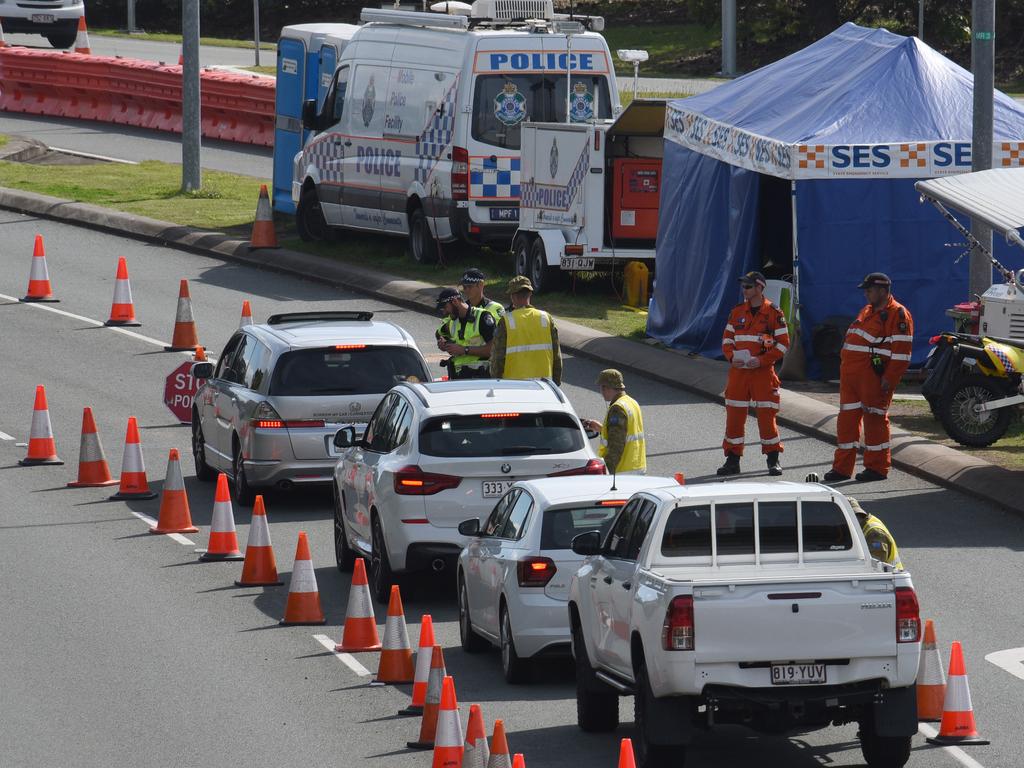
{"x": 755, "y": 338}
{"x": 875, "y": 355}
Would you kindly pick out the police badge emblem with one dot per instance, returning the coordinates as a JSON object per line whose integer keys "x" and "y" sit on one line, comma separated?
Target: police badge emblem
{"x": 553, "y": 160}
{"x": 581, "y": 105}
{"x": 369, "y": 97}
{"x": 510, "y": 105}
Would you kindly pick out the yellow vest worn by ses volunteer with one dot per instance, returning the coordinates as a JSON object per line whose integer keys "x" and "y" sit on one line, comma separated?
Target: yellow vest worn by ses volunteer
{"x": 528, "y": 352}
{"x": 634, "y": 455}
{"x": 872, "y": 526}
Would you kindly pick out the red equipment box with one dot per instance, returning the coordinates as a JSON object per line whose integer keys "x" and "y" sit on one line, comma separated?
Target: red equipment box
{"x": 635, "y": 196}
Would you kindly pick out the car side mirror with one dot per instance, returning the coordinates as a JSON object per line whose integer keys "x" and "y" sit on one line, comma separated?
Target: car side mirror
{"x": 309, "y": 115}
{"x": 345, "y": 437}
{"x": 469, "y": 527}
{"x": 588, "y": 543}
{"x": 202, "y": 370}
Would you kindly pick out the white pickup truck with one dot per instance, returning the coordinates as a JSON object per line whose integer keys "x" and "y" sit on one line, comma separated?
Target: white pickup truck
{"x": 743, "y": 603}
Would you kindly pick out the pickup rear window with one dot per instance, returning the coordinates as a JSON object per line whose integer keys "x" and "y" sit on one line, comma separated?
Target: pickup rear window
{"x": 510, "y": 434}
{"x": 560, "y": 526}
{"x": 332, "y": 371}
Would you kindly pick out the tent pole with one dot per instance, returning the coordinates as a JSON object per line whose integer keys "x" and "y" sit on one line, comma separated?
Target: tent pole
{"x": 794, "y": 364}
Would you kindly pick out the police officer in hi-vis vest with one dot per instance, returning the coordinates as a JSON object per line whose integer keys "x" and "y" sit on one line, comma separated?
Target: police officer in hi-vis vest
{"x": 466, "y": 333}
{"x": 526, "y": 340}
{"x": 622, "y": 432}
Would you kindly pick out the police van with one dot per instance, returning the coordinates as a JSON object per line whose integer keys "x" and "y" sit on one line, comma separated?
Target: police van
{"x": 419, "y": 132}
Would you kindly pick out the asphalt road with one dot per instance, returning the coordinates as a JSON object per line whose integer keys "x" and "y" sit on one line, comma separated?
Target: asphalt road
{"x": 151, "y": 50}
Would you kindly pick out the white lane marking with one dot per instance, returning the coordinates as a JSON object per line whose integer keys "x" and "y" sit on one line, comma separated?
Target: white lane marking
{"x": 1012, "y": 660}
{"x": 955, "y": 752}
{"x": 5, "y": 436}
{"x": 176, "y": 536}
{"x": 345, "y": 658}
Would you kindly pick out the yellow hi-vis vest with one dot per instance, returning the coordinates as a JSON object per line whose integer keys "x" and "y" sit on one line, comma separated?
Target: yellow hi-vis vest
{"x": 874, "y": 526}
{"x": 634, "y": 455}
{"x": 466, "y": 337}
{"x": 528, "y": 352}
{"x": 493, "y": 308}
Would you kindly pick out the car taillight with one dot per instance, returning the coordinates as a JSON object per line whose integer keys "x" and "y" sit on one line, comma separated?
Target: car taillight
{"x": 265, "y": 417}
{"x": 460, "y": 174}
{"x": 677, "y": 632}
{"x": 908, "y": 616}
{"x": 279, "y": 424}
{"x": 592, "y": 467}
{"x": 413, "y": 481}
{"x": 268, "y": 424}
{"x": 535, "y": 571}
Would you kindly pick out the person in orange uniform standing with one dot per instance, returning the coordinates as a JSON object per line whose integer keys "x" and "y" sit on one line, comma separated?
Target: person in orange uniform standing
{"x": 755, "y": 338}
{"x": 875, "y": 354}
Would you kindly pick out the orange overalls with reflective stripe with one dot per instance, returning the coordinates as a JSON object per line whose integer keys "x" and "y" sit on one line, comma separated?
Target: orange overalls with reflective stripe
{"x": 886, "y": 334}
{"x": 760, "y": 333}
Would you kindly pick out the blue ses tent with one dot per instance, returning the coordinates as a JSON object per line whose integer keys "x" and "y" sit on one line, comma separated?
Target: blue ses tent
{"x": 807, "y": 167}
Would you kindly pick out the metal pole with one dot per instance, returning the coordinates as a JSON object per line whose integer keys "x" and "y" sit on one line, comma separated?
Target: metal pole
{"x": 131, "y": 17}
{"x": 920, "y": 20}
{"x": 568, "y": 77}
{"x": 729, "y": 38}
{"x": 190, "y": 117}
{"x": 983, "y": 22}
{"x": 256, "y": 28}
{"x": 636, "y": 78}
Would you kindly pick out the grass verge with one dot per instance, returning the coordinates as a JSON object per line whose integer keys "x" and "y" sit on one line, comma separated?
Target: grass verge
{"x": 167, "y": 37}
{"x": 669, "y": 46}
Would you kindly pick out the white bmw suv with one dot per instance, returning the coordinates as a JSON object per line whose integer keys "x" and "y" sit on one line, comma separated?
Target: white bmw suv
{"x": 435, "y": 454}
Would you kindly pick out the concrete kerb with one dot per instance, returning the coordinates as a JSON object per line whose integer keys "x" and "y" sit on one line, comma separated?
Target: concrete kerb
{"x": 936, "y": 463}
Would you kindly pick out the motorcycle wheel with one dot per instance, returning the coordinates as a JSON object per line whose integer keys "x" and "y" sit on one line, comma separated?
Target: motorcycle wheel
{"x": 962, "y": 422}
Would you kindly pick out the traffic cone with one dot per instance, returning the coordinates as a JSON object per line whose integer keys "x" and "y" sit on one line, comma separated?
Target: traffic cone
{"x": 3, "y": 42}
{"x": 174, "y": 516}
{"x": 680, "y": 478}
{"x": 246, "y": 315}
{"x": 93, "y": 471}
{"x": 626, "y": 757}
{"x": 39, "y": 288}
{"x": 122, "y": 310}
{"x": 475, "y": 753}
{"x": 200, "y": 355}
{"x": 82, "y": 38}
{"x": 134, "y": 484}
{"x": 931, "y": 680}
{"x": 260, "y": 567}
{"x": 223, "y": 539}
{"x": 957, "y": 713}
{"x": 519, "y": 761}
{"x": 431, "y": 702}
{"x": 396, "y": 655}
{"x": 499, "y": 747}
{"x": 422, "y": 674}
{"x": 42, "y": 449}
{"x": 360, "y": 632}
{"x": 263, "y": 234}
{"x": 181, "y": 57}
{"x": 448, "y": 746}
{"x": 184, "y": 338}
{"x": 303, "y": 606}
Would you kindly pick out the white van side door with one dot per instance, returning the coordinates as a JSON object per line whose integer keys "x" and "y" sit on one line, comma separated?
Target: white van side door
{"x": 333, "y": 146}
{"x": 368, "y": 90}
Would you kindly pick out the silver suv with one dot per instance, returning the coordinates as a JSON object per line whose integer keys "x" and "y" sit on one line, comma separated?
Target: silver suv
{"x": 56, "y": 20}
{"x": 267, "y": 413}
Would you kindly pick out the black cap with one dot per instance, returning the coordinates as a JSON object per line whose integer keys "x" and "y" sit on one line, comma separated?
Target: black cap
{"x": 755, "y": 278}
{"x": 446, "y": 295}
{"x": 471, "y": 276}
{"x": 876, "y": 278}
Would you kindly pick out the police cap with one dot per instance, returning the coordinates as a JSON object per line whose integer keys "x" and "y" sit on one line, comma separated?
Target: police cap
{"x": 472, "y": 276}
{"x": 519, "y": 283}
{"x": 876, "y": 278}
{"x": 612, "y": 378}
{"x": 446, "y": 295}
{"x": 753, "y": 278}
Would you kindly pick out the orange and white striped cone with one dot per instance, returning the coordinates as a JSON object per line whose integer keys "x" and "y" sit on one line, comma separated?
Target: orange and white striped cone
{"x": 175, "y": 516}
{"x": 448, "y": 746}
{"x": 500, "y": 757}
{"x": 627, "y": 759}
{"x": 185, "y": 337}
{"x": 957, "y": 725}
{"x": 432, "y": 701}
{"x": 303, "y": 606}
{"x": 519, "y": 761}
{"x": 475, "y": 753}
{"x": 200, "y": 355}
{"x": 122, "y": 309}
{"x": 3, "y": 41}
{"x": 223, "y": 544}
{"x": 246, "y": 314}
{"x": 263, "y": 234}
{"x": 422, "y": 671}
{"x": 396, "y": 655}
{"x": 39, "y": 288}
{"x": 680, "y": 478}
{"x": 42, "y": 448}
{"x": 93, "y": 471}
{"x": 260, "y": 566}
{"x": 931, "y": 679}
{"x": 360, "y": 632}
{"x": 134, "y": 484}
{"x": 82, "y": 38}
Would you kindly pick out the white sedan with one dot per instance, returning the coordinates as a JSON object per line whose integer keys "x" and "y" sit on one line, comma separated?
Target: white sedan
{"x": 514, "y": 573}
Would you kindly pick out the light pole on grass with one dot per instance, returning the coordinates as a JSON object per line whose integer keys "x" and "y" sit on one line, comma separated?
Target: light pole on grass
{"x": 983, "y": 33}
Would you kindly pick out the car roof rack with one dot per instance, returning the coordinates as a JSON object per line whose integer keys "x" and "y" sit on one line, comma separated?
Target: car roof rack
{"x": 323, "y": 316}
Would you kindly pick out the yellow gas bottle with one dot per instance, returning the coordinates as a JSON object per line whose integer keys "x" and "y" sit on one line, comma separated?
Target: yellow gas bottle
{"x": 635, "y": 279}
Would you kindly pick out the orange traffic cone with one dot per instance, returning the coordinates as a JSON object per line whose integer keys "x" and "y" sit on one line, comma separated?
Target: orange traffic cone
{"x": 475, "y": 753}
{"x": 263, "y": 234}
{"x": 432, "y": 701}
{"x": 134, "y": 484}
{"x": 680, "y": 478}
{"x": 448, "y": 737}
{"x": 223, "y": 538}
{"x": 181, "y": 58}
{"x": 3, "y": 42}
{"x": 360, "y": 632}
{"x": 184, "y": 337}
{"x": 260, "y": 567}
{"x": 42, "y": 449}
{"x": 519, "y": 761}
{"x": 303, "y": 606}
{"x": 39, "y": 288}
{"x": 175, "y": 516}
{"x": 93, "y": 471}
{"x": 246, "y": 315}
{"x": 931, "y": 680}
{"x": 422, "y": 674}
{"x": 626, "y": 757}
{"x": 82, "y": 38}
{"x": 396, "y": 656}
{"x": 200, "y": 355}
{"x": 957, "y": 713}
{"x": 499, "y": 747}
{"x": 122, "y": 310}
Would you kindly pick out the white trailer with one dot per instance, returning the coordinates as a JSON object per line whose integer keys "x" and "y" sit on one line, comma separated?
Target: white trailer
{"x": 589, "y": 194}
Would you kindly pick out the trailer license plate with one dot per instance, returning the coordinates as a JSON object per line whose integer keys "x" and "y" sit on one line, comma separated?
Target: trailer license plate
{"x": 43, "y": 18}
{"x": 798, "y": 674}
{"x": 577, "y": 263}
{"x": 504, "y": 214}
{"x": 495, "y": 488}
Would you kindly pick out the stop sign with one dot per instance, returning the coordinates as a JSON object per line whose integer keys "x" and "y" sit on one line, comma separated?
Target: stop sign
{"x": 179, "y": 390}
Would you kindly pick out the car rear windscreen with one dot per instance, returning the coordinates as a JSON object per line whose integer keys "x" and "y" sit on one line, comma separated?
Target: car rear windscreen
{"x": 519, "y": 434}
{"x": 560, "y": 526}
{"x": 329, "y": 371}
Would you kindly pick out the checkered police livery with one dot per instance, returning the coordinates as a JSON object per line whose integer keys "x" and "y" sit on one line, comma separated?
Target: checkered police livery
{"x": 436, "y": 137}
{"x": 326, "y": 156}
{"x": 555, "y": 196}
{"x": 495, "y": 178}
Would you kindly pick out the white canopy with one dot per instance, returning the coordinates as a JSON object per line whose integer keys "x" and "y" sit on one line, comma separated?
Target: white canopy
{"x": 995, "y": 197}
